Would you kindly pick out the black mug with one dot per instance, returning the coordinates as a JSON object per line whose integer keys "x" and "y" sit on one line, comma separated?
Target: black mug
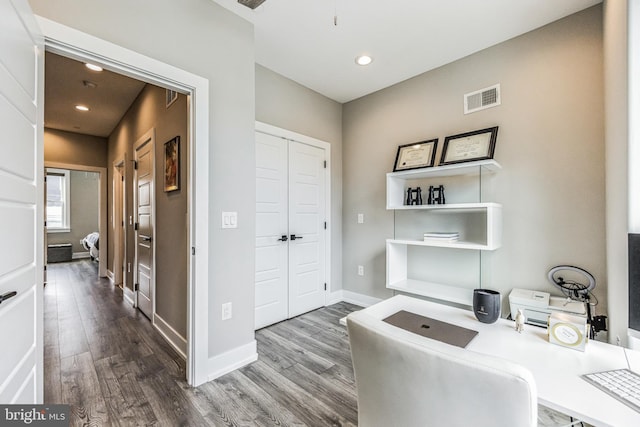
{"x": 486, "y": 305}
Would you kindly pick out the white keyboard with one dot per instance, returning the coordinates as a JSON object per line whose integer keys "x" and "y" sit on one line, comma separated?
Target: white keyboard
{"x": 622, "y": 384}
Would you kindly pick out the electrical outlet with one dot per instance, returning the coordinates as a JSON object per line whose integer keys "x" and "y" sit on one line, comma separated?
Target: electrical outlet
{"x": 360, "y": 270}
{"x": 360, "y": 218}
{"x": 226, "y": 311}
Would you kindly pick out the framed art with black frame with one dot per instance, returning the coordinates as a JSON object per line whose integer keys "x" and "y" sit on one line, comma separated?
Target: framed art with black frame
{"x": 469, "y": 146}
{"x": 416, "y": 155}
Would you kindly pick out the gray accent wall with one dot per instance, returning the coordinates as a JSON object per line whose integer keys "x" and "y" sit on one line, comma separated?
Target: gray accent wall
{"x": 550, "y": 145}
{"x": 74, "y": 148}
{"x": 171, "y": 274}
{"x": 288, "y": 105}
{"x": 203, "y": 38}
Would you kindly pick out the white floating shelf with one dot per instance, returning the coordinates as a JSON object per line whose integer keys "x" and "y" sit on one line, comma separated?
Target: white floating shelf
{"x": 434, "y": 290}
{"x": 466, "y": 168}
{"x": 451, "y": 245}
{"x": 457, "y": 207}
{"x": 397, "y": 181}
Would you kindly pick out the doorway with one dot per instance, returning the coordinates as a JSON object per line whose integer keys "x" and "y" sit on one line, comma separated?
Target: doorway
{"x": 292, "y": 238}
{"x": 77, "y": 181}
{"x": 77, "y": 45}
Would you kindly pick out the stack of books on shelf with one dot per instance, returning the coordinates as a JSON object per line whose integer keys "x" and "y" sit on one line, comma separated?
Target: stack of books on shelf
{"x": 441, "y": 236}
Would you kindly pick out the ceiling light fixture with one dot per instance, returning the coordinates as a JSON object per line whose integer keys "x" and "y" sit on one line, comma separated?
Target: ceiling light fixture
{"x": 93, "y": 67}
{"x": 364, "y": 60}
{"x": 82, "y": 108}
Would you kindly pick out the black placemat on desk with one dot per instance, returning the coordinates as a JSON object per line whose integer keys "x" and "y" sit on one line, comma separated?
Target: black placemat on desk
{"x": 432, "y": 328}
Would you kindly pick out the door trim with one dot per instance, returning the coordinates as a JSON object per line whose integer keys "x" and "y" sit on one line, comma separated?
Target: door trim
{"x": 118, "y": 214}
{"x": 81, "y": 46}
{"x": 102, "y": 201}
{"x": 287, "y": 134}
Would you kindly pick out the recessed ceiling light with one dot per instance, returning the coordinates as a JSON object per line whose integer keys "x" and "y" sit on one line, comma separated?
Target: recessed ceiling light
{"x": 82, "y": 108}
{"x": 364, "y": 60}
{"x": 93, "y": 67}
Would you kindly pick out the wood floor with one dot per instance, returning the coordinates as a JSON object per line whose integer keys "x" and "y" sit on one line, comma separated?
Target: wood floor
{"x": 104, "y": 359}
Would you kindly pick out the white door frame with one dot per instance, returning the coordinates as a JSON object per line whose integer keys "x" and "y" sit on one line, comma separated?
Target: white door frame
{"x": 287, "y": 134}
{"x": 102, "y": 203}
{"x": 118, "y": 219}
{"x": 77, "y": 45}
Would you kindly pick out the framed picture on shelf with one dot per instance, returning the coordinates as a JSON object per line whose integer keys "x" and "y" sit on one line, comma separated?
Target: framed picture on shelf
{"x": 469, "y": 146}
{"x": 172, "y": 164}
{"x": 416, "y": 155}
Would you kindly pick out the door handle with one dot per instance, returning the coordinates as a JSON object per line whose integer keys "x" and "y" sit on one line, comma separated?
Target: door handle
{"x": 294, "y": 237}
{"x": 284, "y": 238}
{"x": 7, "y": 296}
{"x": 145, "y": 238}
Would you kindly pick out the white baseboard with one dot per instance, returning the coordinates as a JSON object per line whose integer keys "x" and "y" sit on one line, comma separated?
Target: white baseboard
{"x": 232, "y": 360}
{"x": 353, "y": 298}
{"x": 111, "y": 277}
{"x": 80, "y": 255}
{"x": 128, "y": 295}
{"x": 177, "y": 341}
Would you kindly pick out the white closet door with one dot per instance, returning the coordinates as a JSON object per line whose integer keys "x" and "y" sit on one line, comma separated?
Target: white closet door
{"x": 306, "y": 228}
{"x": 290, "y": 234}
{"x": 21, "y": 205}
{"x": 271, "y": 226}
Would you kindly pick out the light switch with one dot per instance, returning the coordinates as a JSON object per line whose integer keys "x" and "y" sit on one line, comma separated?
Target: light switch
{"x": 360, "y": 218}
{"x": 229, "y": 219}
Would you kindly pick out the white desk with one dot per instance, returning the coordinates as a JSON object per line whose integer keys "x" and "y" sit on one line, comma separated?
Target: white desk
{"x": 556, "y": 369}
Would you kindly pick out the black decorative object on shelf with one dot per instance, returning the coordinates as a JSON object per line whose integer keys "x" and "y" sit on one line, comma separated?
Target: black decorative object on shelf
{"x": 414, "y": 196}
{"x": 436, "y": 195}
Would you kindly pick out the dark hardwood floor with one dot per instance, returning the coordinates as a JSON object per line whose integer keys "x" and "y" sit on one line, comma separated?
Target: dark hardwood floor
{"x": 105, "y": 359}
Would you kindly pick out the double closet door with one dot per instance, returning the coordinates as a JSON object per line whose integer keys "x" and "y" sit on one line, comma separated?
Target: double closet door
{"x": 290, "y": 229}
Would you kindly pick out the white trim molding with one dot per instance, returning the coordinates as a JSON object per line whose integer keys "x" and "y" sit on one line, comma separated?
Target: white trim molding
{"x": 231, "y": 360}
{"x": 355, "y": 298}
{"x": 177, "y": 341}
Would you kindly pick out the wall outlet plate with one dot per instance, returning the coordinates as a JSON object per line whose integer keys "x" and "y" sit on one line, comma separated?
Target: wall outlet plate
{"x": 226, "y": 311}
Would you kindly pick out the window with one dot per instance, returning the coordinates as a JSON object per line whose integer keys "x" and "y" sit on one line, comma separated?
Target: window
{"x": 58, "y": 195}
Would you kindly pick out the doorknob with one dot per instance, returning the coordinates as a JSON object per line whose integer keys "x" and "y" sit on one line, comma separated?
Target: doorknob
{"x": 145, "y": 238}
{"x": 294, "y": 237}
{"x": 8, "y": 295}
{"x": 284, "y": 238}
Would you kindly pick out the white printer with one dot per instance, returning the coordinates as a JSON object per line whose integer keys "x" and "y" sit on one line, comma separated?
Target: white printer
{"x": 537, "y": 306}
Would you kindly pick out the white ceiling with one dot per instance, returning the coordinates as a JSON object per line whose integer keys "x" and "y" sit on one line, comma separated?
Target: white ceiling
{"x": 298, "y": 38}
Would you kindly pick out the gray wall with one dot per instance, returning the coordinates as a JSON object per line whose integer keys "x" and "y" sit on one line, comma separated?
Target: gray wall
{"x": 146, "y": 112}
{"x": 286, "y": 104}
{"x": 550, "y": 145}
{"x": 84, "y": 197}
{"x": 203, "y": 38}
{"x": 74, "y": 148}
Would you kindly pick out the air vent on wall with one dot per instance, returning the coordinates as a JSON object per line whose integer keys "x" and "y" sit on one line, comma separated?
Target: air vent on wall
{"x": 482, "y": 99}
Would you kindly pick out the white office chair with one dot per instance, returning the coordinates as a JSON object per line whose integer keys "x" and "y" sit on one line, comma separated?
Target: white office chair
{"x": 406, "y": 380}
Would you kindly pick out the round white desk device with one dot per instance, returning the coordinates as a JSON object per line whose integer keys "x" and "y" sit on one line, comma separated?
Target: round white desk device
{"x": 576, "y": 284}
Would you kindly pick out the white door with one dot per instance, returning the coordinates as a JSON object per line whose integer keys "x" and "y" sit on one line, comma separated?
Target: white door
{"x": 290, "y": 234}
{"x": 144, "y": 258}
{"x": 306, "y": 228}
{"x": 271, "y": 230}
{"x": 21, "y": 206}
